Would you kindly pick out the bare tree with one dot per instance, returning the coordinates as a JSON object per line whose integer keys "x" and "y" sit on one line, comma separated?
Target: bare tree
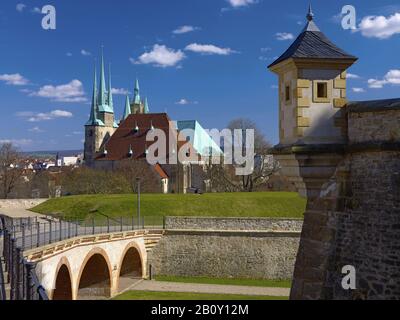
{"x": 10, "y": 173}
{"x": 138, "y": 168}
{"x": 223, "y": 177}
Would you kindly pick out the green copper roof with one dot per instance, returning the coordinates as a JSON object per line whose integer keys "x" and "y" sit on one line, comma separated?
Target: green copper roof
{"x": 110, "y": 96}
{"x": 93, "y": 121}
{"x": 102, "y": 90}
{"x": 103, "y": 105}
{"x": 127, "y": 110}
{"x": 199, "y": 138}
{"x": 146, "y": 106}
{"x": 136, "y": 96}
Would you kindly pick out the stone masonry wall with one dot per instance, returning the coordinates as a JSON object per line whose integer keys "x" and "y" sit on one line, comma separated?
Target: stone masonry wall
{"x": 368, "y": 229}
{"x": 253, "y": 224}
{"x": 356, "y": 220}
{"x": 224, "y": 248}
{"x": 374, "y": 126}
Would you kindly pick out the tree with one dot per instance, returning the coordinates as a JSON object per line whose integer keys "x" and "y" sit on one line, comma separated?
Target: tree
{"x": 223, "y": 177}
{"x": 133, "y": 169}
{"x": 10, "y": 173}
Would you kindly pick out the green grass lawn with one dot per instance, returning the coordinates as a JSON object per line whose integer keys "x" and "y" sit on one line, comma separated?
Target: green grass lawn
{"x": 152, "y": 295}
{"x": 238, "y": 282}
{"x": 257, "y": 204}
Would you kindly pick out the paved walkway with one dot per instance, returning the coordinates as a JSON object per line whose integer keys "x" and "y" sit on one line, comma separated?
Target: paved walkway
{"x": 208, "y": 288}
{"x": 18, "y": 213}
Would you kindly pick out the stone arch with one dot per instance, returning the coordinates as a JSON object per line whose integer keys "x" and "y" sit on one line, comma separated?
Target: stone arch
{"x": 131, "y": 265}
{"x": 95, "y": 275}
{"x": 62, "y": 288}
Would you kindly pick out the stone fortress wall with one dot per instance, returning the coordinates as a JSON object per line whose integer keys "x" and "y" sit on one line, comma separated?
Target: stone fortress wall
{"x": 356, "y": 220}
{"x": 227, "y": 247}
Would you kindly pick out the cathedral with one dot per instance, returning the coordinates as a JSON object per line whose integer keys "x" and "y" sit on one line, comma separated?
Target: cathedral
{"x": 102, "y": 123}
{"x": 110, "y": 144}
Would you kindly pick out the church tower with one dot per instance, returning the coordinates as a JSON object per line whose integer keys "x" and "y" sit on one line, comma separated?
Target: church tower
{"x": 312, "y": 89}
{"x": 138, "y": 105}
{"x": 101, "y": 125}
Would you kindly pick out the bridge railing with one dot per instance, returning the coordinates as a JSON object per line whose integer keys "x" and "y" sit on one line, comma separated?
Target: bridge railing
{"x": 28, "y": 233}
{"x": 2, "y": 280}
{"x": 21, "y": 274}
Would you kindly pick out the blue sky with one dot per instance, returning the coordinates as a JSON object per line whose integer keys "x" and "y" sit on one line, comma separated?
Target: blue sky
{"x": 195, "y": 59}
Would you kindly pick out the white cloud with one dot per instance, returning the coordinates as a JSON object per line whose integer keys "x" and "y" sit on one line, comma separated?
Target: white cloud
{"x": 392, "y": 77}
{"x": 17, "y": 142}
{"x": 379, "y": 26}
{"x": 184, "y": 102}
{"x": 70, "y": 92}
{"x": 266, "y": 49}
{"x": 352, "y": 76}
{"x": 38, "y": 117}
{"x": 36, "y": 130}
{"x": 120, "y": 91}
{"x": 209, "y": 49}
{"x": 36, "y": 10}
{"x": 14, "y": 79}
{"x": 241, "y": 3}
{"x": 20, "y": 7}
{"x": 185, "y": 29}
{"x": 68, "y": 54}
{"x": 282, "y": 36}
{"x": 85, "y": 53}
{"x": 160, "y": 56}
{"x": 358, "y": 90}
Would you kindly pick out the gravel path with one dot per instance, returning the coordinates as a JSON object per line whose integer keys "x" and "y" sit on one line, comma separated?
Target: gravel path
{"x": 208, "y": 288}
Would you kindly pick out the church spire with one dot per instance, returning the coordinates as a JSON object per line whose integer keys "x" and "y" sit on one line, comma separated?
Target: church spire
{"x": 136, "y": 96}
{"x": 146, "y": 106}
{"x": 102, "y": 91}
{"x": 93, "y": 120}
{"x": 127, "y": 111}
{"x": 110, "y": 96}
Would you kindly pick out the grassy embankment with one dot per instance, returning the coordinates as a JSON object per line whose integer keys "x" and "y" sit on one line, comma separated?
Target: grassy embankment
{"x": 257, "y": 204}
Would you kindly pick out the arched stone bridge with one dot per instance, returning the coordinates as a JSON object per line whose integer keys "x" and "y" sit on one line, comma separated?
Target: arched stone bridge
{"x": 95, "y": 266}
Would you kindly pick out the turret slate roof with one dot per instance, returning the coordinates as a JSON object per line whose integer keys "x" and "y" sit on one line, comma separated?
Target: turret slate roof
{"x": 313, "y": 44}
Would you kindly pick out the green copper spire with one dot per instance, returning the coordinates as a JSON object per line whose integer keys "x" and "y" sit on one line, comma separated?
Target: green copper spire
{"x": 110, "y": 96}
{"x": 93, "y": 121}
{"x": 127, "y": 111}
{"x": 136, "y": 96}
{"x": 146, "y": 106}
{"x": 102, "y": 91}
{"x": 102, "y": 100}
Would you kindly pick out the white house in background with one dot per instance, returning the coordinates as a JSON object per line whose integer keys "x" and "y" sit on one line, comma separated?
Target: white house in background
{"x": 70, "y": 161}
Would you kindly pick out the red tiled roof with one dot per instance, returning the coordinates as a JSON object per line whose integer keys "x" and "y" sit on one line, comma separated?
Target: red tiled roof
{"x": 125, "y": 137}
{"x": 160, "y": 171}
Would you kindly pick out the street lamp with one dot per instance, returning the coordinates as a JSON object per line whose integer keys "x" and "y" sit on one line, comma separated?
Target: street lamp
{"x": 138, "y": 199}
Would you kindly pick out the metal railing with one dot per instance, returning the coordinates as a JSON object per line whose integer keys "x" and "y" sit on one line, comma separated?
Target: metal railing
{"x": 2, "y": 282}
{"x": 29, "y": 233}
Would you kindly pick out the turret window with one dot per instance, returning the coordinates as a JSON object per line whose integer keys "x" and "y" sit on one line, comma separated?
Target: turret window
{"x": 288, "y": 97}
{"x": 322, "y": 91}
